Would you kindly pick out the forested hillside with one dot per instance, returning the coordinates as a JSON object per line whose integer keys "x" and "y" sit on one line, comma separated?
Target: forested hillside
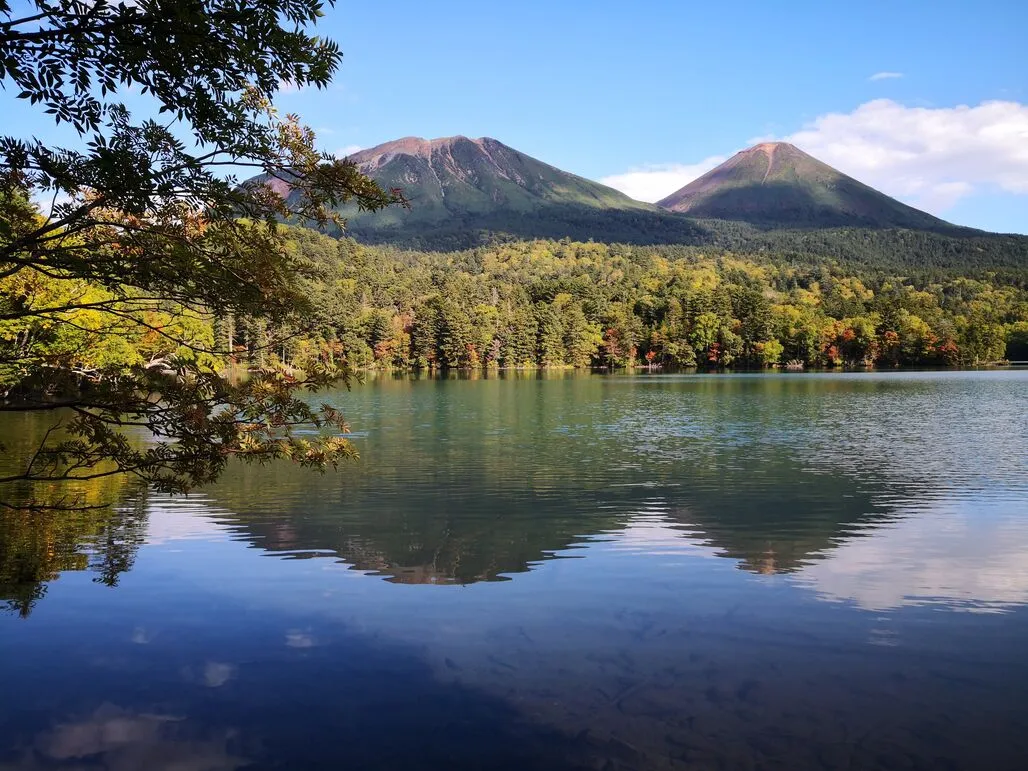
{"x": 874, "y": 248}
{"x": 562, "y": 303}
{"x": 878, "y": 250}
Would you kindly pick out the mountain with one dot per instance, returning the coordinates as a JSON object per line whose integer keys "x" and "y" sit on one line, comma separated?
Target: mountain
{"x": 459, "y": 186}
{"x": 772, "y": 198}
{"x": 457, "y": 176}
{"x": 775, "y": 184}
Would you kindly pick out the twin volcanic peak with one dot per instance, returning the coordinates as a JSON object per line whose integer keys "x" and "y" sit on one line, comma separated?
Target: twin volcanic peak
{"x": 458, "y": 183}
{"x": 773, "y": 197}
{"x": 778, "y": 185}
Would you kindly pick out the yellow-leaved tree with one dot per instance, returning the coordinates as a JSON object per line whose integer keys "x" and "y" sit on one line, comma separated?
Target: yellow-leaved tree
{"x": 109, "y": 292}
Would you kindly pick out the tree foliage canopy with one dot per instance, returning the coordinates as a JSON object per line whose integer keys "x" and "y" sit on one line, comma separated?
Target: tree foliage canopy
{"x": 562, "y": 303}
{"x": 142, "y": 231}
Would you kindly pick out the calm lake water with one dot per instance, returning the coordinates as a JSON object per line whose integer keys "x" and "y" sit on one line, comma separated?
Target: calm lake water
{"x": 570, "y": 572}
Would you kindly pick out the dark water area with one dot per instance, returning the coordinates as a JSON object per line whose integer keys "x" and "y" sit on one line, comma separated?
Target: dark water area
{"x": 795, "y": 571}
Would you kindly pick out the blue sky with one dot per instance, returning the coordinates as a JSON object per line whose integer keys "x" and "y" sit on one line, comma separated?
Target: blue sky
{"x": 644, "y": 95}
{"x": 603, "y": 88}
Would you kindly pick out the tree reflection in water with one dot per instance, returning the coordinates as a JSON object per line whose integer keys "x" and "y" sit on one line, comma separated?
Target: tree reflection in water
{"x": 36, "y": 546}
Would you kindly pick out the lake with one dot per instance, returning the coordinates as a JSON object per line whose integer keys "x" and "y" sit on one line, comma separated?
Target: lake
{"x": 780, "y": 571}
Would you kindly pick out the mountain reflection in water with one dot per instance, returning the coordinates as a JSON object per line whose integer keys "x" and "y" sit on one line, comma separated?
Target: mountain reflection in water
{"x": 579, "y": 572}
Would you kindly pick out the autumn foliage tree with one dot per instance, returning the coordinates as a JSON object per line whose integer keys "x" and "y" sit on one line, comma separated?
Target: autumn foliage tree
{"x": 140, "y": 234}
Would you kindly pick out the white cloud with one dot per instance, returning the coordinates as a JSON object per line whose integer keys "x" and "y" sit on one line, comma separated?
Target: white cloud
{"x": 656, "y": 181}
{"x": 886, "y": 76}
{"x": 928, "y": 157}
{"x": 657, "y": 535}
{"x": 119, "y": 740}
{"x": 183, "y": 518}
{"x": 344, "y": 152}
{"x": 296, "y": 638}
{"x": 216, "y": 674}
{"x": 972, "y": 559}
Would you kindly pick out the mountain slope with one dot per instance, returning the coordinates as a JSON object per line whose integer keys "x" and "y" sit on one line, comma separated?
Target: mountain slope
{"x": 778, "y": 185}
{"x": 457, "y": 175}
{"x": 772, "y": 198}
{"x": 458, "y": 186}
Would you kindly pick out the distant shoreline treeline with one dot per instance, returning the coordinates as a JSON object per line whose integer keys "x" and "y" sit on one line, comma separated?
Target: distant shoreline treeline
{"x": 564, "y": 304}
{"x": 550, "y": 304}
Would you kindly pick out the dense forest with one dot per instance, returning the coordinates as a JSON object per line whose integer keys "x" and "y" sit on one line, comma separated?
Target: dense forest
{"x": 958, "y": 249}
{"x": 556, "y": 304}
{"x": 559, "y": 303}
